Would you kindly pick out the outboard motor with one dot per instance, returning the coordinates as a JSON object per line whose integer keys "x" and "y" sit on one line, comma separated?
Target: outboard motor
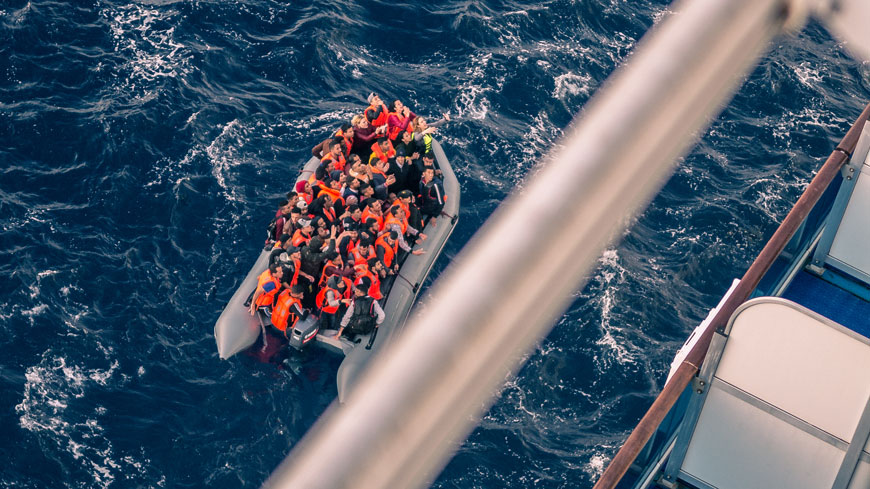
{"x": 304, "y": 332}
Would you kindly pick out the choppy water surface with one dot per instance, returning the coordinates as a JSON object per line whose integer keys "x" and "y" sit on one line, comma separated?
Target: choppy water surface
{"x": 144, "y": 146}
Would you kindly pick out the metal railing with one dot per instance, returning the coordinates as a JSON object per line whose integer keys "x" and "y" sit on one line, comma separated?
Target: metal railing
{"x": 418, "y": 400}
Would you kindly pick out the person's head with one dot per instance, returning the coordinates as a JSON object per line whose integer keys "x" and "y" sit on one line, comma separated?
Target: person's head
{"x": 353, "y": 184}
{"x": 297, "y": 291}
{"x": 355, "y": 211}
{"x": 405, "y": 196}
{"x": 351, "y": 200}
{"x": 335, "y": 147}
{"x": 366, "y": 190}
{"x": 376, "y": 206}
{"x": 375, "y": 265}
{"x": 336, "y": 184}
{"x": 284, "y": 238}
{"x": 385, "y": 144}
{"x": 428, "y": 174}
{"x": 319, "y": 222}
{"x": 305, "y": 225}
{"x": 347, "y": 130}
{"x": 421, "y": 123}
{"x": 406, "y": 137}
{"x": 315, "y": 244}
{"x": 397, "y": 211}
{"x": 292, "y": 198}
{"x": 396, "y": 106}
{"x": 276, "y": 271}
{"x": 374, "y": 99}
{"x": 372, "y": 224}
{"x": 392, "y": 237}
{"x": 323, "y": 233}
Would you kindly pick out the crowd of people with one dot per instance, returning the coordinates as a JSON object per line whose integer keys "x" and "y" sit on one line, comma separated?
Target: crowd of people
{"x": 339, "y": 237}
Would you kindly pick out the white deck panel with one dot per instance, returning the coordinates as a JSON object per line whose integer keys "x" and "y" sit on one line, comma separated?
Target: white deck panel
{"x": 850, "y": 245}
{"x": 739, "y": 446}
{"x": 800, "y": 363}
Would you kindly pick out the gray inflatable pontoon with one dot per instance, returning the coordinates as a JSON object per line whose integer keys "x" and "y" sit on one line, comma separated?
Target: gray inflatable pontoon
{"x": 236, "y": 330}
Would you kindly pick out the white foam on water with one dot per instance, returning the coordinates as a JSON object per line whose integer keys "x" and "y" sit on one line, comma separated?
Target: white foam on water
{"x": 808, "y": 75}
{"x": 51, "y": 407}
{"x": 611, "y": 274}
{"x": 145, "y": 36}
{"x": 571, "y": 84}
{"x": 472, "y": 102}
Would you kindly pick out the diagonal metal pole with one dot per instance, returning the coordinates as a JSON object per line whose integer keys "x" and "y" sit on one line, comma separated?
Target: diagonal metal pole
{"x": 421, "y": 397}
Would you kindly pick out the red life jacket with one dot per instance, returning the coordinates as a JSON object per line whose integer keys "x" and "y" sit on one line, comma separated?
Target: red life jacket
{"x": 267, "y": 298}
{"x": 389, "y": 250}
{"x": 379, "y": 153}
{"x": 381, "y": 119}
{"x": 282, "y": 316}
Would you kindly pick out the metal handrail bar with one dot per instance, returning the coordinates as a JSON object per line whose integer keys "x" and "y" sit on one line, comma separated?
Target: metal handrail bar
{"x": 691, "y": 365}
{"x": 501, "y": 296}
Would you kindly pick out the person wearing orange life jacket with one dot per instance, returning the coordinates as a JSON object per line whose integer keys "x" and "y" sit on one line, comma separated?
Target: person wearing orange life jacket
{"x": 372, "y": 270}
{"x": 304, "y": 234}
{"x": 397, "y": 223}
{"x": 288, "y": 309}
{"x": 412, "y": 212}
{"x": 335, "y": 155}
{"x": 386, "y": 249}
{"x": 332, "y": 299}
{"x": 382, "y": 150}
{"x": 380, "y": 180}
{"x": 373, "y": 210}
{"x": 268, "y": 284}
{"x": 347, "y": 133}
{"x": 399, "y": 119}
{"x": 377, "y": 113}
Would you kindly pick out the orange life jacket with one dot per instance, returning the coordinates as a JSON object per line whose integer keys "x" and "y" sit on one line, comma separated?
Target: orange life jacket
{"x": 321, "y": 302}
{"x": 333, "y": 194}
{"x": 389, "y": 250}
{"x": 391, "y": 219}
{"x": 282, "y": 316}
{"x": 381, "y": 119}
{"x": 375, "y": 289}
{"x": 378, "y": 153}
{"x": 348, "y": 142}
{"x": 367, "y": 214}
{"x": 267, "y": 298}
{"x": 323, "y": 275}
{"x": 358, "y": 259}
{"x": 339, "y": 163}
{"x": 299, "y": 239}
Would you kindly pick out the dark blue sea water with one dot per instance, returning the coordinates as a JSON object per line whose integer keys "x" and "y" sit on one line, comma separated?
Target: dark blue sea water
{"x": 143, "y": 147}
